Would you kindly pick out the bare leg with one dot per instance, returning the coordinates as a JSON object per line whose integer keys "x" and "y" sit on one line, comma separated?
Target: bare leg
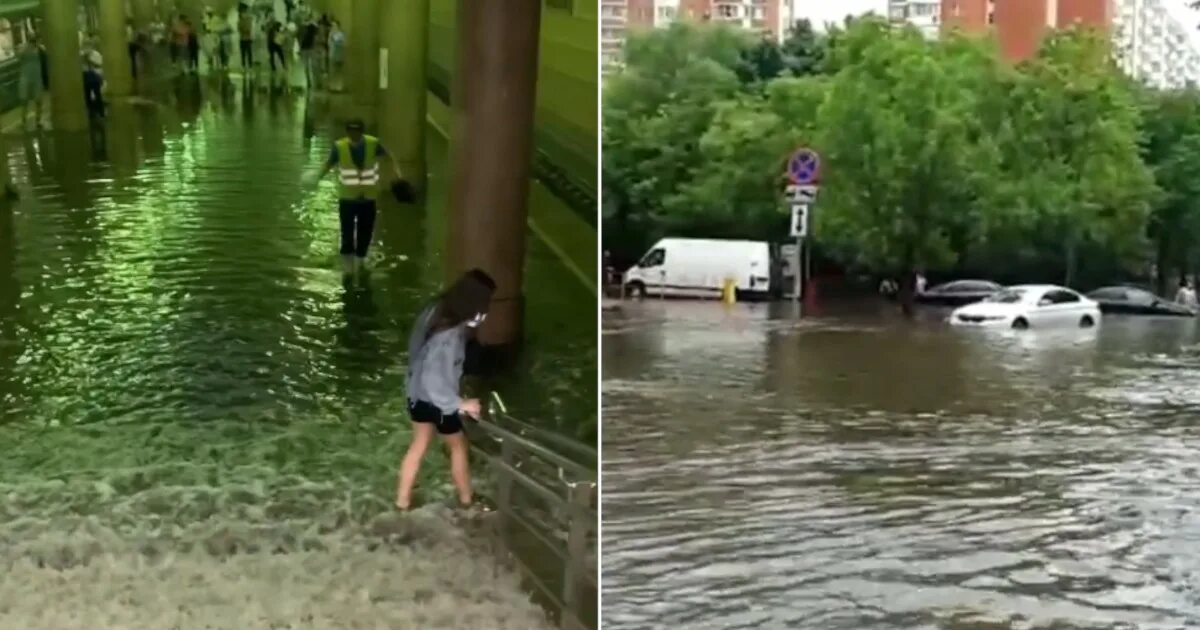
{"x": 422, "y": 436}
{"x": 460, "y": 470}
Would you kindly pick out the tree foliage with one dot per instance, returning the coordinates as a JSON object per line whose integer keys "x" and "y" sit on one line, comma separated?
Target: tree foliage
{"x": 936, "y": 154}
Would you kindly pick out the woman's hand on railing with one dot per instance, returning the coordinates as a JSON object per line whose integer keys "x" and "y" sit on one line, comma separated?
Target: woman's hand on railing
{"x": 471, "y": 407}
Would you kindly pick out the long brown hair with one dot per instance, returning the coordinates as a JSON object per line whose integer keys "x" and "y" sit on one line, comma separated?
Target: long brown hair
{"x": 466, "y": 298}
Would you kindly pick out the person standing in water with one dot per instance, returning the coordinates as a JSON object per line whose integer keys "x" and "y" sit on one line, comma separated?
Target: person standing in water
{"x": 357, "y": 158}
{"x": 436, "y": 350}
{"x": 30, "y": 86}
{"x": 1186, "y": 296}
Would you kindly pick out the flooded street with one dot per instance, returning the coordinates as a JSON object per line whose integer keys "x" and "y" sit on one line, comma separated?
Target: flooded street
{"x": 855, "y": 471}
{"x": 194, "y": 403}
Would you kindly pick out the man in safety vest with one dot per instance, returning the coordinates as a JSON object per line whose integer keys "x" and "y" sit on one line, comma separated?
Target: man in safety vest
{"x": 356, "y": 158}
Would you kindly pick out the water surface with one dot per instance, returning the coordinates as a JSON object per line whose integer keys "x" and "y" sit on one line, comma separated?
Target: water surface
{"x": 853, "y": 470}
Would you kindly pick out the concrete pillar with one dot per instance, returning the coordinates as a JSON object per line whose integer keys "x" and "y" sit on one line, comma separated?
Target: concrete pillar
{"x": 491, "y": 151}
{"x": 405, "y": 37}
{"x": 362, "y": 65}
{"x": 7, "y": 190}
{"x": 61, "y": 34}
{"x": 114, "y": 46}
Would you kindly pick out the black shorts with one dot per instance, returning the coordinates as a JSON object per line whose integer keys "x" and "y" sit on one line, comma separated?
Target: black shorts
{"x": 421, "y": 411}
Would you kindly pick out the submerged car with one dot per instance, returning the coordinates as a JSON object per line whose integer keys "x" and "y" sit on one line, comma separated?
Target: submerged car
{"x": 1135, "y": 301}
{"x": 1030, "y": 306}
{"x": 958, "y": 292}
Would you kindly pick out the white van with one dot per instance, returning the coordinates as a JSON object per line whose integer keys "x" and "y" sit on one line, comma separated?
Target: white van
{"x": 697, "y": 268}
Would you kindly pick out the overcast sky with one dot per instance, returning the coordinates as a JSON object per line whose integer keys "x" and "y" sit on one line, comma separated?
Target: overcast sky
{"x": 822, "y": 11}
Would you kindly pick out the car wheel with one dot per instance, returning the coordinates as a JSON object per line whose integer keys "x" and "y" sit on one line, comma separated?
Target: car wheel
{"x": 636, "y": 289}
{"x": 1087, "y": 322}
{"x": 1020, "y": 323}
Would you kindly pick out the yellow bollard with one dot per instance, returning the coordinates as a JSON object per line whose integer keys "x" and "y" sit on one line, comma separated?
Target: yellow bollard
{"x": 729, "y": 291}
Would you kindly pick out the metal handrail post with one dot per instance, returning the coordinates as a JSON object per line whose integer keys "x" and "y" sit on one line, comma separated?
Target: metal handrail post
{"x": 580, "y": 499}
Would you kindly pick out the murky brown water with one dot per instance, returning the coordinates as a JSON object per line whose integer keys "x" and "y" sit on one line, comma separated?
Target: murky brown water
{"x": 856, "y": 471}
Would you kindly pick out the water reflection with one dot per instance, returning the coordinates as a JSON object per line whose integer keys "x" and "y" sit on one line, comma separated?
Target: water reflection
{"x": 859, "y": 471}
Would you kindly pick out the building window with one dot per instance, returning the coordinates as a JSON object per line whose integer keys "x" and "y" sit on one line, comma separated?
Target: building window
{"x": 727, "y": 11}
{"x": 666, "y": 13}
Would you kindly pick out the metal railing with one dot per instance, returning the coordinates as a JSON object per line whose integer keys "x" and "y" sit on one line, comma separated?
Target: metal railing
{"x": 546, "y": 521}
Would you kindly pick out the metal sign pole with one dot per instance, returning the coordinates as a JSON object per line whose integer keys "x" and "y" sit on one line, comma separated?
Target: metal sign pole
{"x": 798, "y": 271}
{"x": 803, "y": 170}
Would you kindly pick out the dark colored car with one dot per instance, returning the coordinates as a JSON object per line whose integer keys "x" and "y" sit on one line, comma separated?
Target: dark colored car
{"x": 1135, "y": 301}
{"x": 959, "y": 292}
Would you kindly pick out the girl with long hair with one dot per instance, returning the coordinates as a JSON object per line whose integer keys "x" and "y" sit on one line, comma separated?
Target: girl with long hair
{"x": 436, "y": 350}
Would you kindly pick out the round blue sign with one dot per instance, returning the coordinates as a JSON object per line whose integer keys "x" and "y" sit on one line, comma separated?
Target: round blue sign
{"x": 804, "y": 167}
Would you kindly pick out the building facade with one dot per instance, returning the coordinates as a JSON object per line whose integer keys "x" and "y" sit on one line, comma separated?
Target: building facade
{"x": 1153, "y": 46}
{"x": 923, "y": 14}
{"x": 1150, "y": 44}
{"x": 618, "y": 17}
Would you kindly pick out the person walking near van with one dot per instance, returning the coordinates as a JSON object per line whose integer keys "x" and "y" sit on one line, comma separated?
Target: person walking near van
{"x": 30, "y": 86}
{"x": 357, "y": 157}
{"x": 436, "y": 352}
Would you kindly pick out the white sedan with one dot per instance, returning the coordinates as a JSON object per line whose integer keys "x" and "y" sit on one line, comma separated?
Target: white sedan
{"x": 1030, "y": 306}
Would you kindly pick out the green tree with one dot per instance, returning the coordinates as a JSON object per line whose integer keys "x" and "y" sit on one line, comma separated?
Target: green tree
{"x": 1171, "y": 148}
{"x": 804, "y": 50}
{"x": 904, "y": 153}
{"x": 738, "y": 191}
{"x": 656, "y": 109}
{"x": 1070, "y": 164}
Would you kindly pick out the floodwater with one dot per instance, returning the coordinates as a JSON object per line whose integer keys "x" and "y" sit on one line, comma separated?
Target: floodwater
{"x": 200, "y": 421}
{"x": 853, "y": 470}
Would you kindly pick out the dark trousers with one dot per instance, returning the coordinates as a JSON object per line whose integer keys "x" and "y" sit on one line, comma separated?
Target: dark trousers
{"x": 247, "y": 53}
{"x": 358, "y": 225}
{"x": 274, "y": 50}
{"x": 92, "y": 84}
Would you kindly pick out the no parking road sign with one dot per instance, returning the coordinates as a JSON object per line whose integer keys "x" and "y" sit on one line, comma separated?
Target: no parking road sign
{"x": 804, "y": 167}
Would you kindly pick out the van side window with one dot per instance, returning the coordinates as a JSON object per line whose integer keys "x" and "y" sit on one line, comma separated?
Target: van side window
{"x": 655, "y": 258}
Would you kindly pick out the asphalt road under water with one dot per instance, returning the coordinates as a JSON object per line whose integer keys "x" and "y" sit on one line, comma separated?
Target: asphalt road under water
{"x": 185, "y": 378}
{"x": 857, "y": 471}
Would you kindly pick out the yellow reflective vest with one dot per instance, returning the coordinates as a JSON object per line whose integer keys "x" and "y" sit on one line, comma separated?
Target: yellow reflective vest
{"x": 359, "y": 183}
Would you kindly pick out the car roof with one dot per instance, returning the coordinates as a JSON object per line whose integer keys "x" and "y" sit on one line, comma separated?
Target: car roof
{"x": 1040, "y": 287}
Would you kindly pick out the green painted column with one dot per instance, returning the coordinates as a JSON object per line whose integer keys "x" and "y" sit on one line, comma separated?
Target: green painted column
{"x": 61, "y": 33}
{"x": 405, "y": 38}
{"x": 362, "y": 64}
{"x": 491, "y": 152}
{"x": 114, "y": 46}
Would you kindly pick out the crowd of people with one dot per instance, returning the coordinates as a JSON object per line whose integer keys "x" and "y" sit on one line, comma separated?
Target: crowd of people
{"x": 262, "y": 39}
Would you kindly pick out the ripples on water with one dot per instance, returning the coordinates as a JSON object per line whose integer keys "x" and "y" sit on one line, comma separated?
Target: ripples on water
{"x": 199, "y": 420}
{"x": 853, "y": 471}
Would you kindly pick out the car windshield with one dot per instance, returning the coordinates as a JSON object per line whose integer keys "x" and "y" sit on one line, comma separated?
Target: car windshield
{"x": 1008, "y": 296}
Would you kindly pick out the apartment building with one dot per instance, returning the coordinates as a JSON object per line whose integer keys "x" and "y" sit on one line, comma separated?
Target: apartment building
{"x": 923, "y": 14}
{"x": 1153, "y": 46}
{"x": 1150, "y": 44}
{"x": 770, "y": 17}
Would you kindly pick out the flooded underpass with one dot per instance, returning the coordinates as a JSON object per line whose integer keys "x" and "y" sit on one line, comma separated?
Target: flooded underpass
{"x": 853, "y": 470}
{"x": 200, "y": 420}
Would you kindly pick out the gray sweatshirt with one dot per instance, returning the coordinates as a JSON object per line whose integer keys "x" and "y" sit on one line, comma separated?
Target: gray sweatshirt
{"x": 435, "y": 365}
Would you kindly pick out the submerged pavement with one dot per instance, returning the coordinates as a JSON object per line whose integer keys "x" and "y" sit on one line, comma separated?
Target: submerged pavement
{"x": 201, "y": 421}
